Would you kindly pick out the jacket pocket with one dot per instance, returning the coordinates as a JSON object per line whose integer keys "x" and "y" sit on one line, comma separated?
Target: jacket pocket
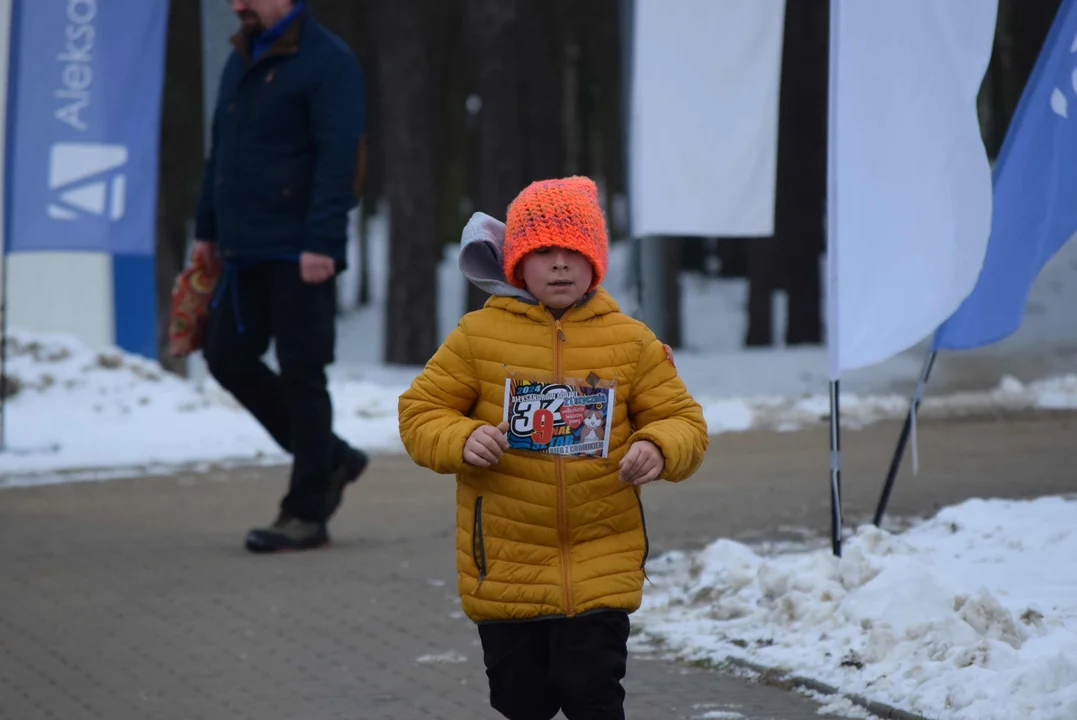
{"x": 643, "y": 521}
{"x": 478, "y": 546}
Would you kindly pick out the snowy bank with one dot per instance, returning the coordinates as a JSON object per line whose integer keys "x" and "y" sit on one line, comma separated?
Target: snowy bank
{"x": 77, "y": 409}
{"x": 99, "y": 412}
{"x": 971, "y": 615}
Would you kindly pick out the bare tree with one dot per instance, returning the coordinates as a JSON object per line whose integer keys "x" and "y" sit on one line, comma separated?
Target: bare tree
{"x": 1019, "y": 34}
{"x": 181, "y": 153}
{"x": 517, "y": 51}
{"x": 801, "y": 183}
{"x": 790, "y": 260}
{"x": 492, "y": 29}
{"x": 406, "y": 110}
{"x": 602, "y": 111}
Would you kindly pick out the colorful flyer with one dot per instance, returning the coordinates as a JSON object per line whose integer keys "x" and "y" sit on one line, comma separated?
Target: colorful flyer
{"x": 561, "y": 418}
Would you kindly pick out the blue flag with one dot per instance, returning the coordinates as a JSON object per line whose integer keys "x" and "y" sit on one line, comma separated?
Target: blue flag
{"x": 85, "y": 85}
{"x": 84, "y": 102}
{"x": 1035, "y": 195}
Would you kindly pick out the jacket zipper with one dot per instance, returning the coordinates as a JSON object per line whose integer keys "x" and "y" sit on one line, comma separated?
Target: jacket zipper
{"x": 562, "y": 502}
{"x": 478, "y": 546}
{"x": 646, "y": 539}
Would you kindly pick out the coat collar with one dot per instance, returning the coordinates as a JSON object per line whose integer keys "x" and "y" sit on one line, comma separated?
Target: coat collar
{"x": 286, "y": 44}
{"x": 598, "y": 302}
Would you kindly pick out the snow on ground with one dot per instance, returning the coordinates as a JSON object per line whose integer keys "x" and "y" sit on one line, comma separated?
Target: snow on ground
{"x": 102, "y": 412}
{"x": 971, "y": 615}
{"x": 78, "y": 409}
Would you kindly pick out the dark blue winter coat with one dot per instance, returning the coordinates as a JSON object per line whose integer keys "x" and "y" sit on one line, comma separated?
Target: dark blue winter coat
{"x": 288, "y": 147}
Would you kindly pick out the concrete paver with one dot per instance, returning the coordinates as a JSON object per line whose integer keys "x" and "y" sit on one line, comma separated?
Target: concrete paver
{"x": 133, "y": 598}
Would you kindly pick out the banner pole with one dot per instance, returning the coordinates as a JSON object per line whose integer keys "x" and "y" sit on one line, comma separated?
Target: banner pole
{"x": 7, "y": 64}
{"x": 5, "y": 386}
{"x": 903, "y": 439}
{"x": 836, "y": 523}
{"x": 832, "y": 289}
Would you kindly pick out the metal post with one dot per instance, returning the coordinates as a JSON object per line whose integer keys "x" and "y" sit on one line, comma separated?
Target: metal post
{"x": 8, "y": 29}
{"x": 835, "y": 470}
{"x": 903, "y": 439}
{"x": 4, "y": 388}
{"x": 832, "y": 328}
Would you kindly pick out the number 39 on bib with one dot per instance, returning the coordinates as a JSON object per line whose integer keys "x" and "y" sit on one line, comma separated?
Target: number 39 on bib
{"x": 568, "y": 418}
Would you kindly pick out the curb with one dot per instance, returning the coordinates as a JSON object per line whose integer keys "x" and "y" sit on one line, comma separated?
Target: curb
{"x": 776, "y": 678}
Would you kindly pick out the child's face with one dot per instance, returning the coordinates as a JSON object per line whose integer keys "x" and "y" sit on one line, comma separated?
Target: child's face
{"x": 555, "y": 276}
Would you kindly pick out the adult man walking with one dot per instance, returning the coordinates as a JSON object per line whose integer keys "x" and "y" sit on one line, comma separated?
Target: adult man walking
{"x": 285, "y": 167}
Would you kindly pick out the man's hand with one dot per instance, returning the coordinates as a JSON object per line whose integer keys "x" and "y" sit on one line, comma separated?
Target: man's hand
{"x": 642, "y": 463}
{"x": 315, "y": 268}
{"x": 205, "y": 249}
{"x": 486, "y": 445}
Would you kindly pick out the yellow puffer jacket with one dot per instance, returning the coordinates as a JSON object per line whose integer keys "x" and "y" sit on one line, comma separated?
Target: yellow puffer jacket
{"x": 536, "y": 534}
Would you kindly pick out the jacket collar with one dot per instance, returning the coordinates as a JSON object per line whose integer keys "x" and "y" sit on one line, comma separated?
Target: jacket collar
{"x": 597, "y": 302}
{"x": 286, "y": 44}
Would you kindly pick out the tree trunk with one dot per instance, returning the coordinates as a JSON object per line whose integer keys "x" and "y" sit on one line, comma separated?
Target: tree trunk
{"x": 763, "y": 280}
{"x": 450, "y": 102}
{"x": 601, "y": 45}
{"x": 352, "y": 19}
{"x": 494, "y": 38}
{"x": 671, "y": 291}
{"x": 1019, "y": 34}
{"x": 373, "y": 189}
{"x": 790, "y": 260}
{"x": 180, "y": 162}
{"x": 801, "y": 185}
{"x": 541, "y": 48}
{"x": 406, "y": 118}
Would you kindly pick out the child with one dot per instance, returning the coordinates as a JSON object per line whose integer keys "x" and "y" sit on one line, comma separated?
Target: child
{"x": 551, "y": 542}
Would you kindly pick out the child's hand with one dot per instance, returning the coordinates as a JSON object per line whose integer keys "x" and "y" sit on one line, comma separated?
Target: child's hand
{"x": 485, "y": 446}
{"x": 642, "y": 463}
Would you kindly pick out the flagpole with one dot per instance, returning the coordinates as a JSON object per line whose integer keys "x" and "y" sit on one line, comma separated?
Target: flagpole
{"x": 5, "y": 387}
{"x": 903, "y": 439}
{"x": 836, "y": 524}
{"x": 8, "y": 28}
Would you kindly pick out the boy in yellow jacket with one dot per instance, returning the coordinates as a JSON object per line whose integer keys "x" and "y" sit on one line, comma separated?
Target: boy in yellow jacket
{"x": 552, "y": 409}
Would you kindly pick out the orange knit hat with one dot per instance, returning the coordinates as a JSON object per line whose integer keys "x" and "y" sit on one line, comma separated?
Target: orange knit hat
{"x": 556, "y": 213}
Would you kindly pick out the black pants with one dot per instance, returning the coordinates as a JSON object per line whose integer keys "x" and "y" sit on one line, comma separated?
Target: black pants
{"x": 268, "y": 299}
{"x": 570, "y": 664}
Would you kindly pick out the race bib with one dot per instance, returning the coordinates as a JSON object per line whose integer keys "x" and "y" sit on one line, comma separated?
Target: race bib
{"x": 568, "y": 418}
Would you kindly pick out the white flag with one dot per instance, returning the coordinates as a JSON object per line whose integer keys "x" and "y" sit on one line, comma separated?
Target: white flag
{"x": 704, "y": 116}
{"x": 909, "y": 197}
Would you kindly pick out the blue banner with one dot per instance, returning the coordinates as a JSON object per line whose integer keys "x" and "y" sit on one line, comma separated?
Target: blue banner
{"x": 84, "y": 104}
{"x": 1035, "y": 195}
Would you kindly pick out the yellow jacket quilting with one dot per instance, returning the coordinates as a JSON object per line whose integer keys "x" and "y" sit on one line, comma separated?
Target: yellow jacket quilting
{"x": 538, "y": 535}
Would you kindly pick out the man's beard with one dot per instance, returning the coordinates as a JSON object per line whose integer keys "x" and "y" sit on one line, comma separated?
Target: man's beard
{"x": 250, "y": 21}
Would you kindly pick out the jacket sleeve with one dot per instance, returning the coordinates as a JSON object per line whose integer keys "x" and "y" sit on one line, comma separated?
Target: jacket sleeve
{"x": 662, "y": 411}
{"x": 337, "y": 126}
{"x": 205, "y": 222}
{"x": 433, "y": 412}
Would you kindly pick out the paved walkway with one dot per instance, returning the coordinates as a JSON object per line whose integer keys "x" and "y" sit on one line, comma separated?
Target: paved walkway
{"x": 133, "y": 598}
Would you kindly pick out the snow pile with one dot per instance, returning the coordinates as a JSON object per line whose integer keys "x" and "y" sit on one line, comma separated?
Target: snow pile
{"x": 969, "y": 616}
{"x": 776, "y": 413}
{"x": 74, "y": 408}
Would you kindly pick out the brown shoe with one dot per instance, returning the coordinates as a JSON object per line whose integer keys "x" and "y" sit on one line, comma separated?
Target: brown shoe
{"x": 287, "y": 534}
{"x": 343, "y": 475}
